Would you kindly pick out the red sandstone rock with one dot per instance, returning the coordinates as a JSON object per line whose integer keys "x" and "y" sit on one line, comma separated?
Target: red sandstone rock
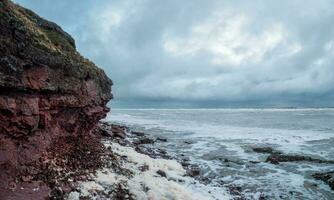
{"x": 47, "y": 91}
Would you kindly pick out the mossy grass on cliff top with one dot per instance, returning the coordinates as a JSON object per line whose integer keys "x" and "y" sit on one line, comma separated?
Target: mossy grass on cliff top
{"x": 52, "y": 31}
{"x": 42, "y": 43}
{"x": 57, "y": 39}
{"x": 44, "y": 32}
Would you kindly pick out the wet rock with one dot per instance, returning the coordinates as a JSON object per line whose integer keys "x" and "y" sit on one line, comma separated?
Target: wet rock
{"x": 185, "y": 163}
{"x": 193, "y": 171}
{"x": 121, "y": 192}
{"x": 144, "y": 168}
{"x": 327, "y": 177}
{"x": 57, "y": 193}
{"x": 119, "y": 134}
{"x": 265, "y": 150}
{"x": 236, "y": 191}
{"x": 162, "y": 151}
{"x": 144, "y": 140}
{"x": 123, "y": 142}
{"x": 262, "y": 197}
{"x": 277, "y": 158}
{"x": 203, "y": 179}
{"x": 105, "y": 130}
{"x": 160, "y": 139}
{"x": 112, "y": 130}
{"x": 118, "y": 130}
{"x": 106, "y": 133}
{"x": 137, "y": 133}
{"x": 147, "y": 151}
{"x": 162, "y": 173}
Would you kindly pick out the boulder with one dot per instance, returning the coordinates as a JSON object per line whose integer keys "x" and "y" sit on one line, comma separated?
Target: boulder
{"x": 144, "y": 140}
{"x": 327, "y": 177}
{"x": 137, "y": 133}
{"x": 276, "y": 158}
{"x": 160, "y": 139}
{"x": 265, "y": 150}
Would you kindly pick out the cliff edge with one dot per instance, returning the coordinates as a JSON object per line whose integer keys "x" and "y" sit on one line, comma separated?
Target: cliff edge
{"x": 48, "y": 91}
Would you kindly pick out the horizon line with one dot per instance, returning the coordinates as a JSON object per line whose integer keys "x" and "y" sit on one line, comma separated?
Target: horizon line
{"x": 250, "y": 108}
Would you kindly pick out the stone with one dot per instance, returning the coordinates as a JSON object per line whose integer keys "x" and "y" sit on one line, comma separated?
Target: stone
{"x": 264, "y": 150}
{"x": 327, "y": 177}
{"x": 187, "y": 142}
{"x": 277, "y": 158}
{"x": 193, "y": 171}
{"x": 137, "y": 133}
{"x": 119, "y": 134}
{"x": 162, "y": 173}
{"x": 144, "y": 168}
{"x": 144, "y": 140}
{"x": 118, "y": 131}
{"x": 48, "y": 91}
{"x": 160, "y": 139}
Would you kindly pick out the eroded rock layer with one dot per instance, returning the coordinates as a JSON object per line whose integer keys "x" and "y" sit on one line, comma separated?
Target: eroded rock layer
{"x": 47, "y": 91}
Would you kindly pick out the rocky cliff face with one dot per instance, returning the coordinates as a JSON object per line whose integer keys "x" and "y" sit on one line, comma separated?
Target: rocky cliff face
{"x": 47, "y": 90}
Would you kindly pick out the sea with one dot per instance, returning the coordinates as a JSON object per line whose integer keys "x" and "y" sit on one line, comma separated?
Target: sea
{"x": 221, "y": 142}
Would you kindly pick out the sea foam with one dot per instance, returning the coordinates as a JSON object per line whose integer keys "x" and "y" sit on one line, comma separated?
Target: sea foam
{"x": 147, "y": 184}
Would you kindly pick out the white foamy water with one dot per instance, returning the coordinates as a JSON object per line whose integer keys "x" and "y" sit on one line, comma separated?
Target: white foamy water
{"x": 220, "y": 141}
{"x": 147, "y": 184}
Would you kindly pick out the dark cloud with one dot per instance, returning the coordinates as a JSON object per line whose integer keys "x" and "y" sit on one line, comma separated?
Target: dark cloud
{"x": 206, "y": 53}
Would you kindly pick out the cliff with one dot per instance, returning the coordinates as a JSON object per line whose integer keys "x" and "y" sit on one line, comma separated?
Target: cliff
{"x": 48, "y": 91}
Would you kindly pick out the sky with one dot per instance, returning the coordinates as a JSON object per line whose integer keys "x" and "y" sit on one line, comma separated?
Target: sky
{"x": 212, "y": 53}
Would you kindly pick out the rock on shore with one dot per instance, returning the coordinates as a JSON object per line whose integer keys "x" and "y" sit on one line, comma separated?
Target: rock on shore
{"x": 135, "y": 170}
{"x": 327, "y": 177}
{"x": 48, "y": 92}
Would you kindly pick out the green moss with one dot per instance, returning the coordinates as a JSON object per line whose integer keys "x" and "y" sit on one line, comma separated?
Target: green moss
{"x": 57, "y": 39}
{"x": 53, "y": 32}
{"x": 45, "y": 43}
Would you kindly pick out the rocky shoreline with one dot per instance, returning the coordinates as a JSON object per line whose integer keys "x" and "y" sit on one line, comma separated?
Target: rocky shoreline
{"x": 276, "y": 157}
{"x": 73, "y": 171}
{"x": 151, "y": 164}
{"x": 144, "y": 144}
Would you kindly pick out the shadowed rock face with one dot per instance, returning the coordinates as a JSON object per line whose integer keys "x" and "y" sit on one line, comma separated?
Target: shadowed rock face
{"x": 47, "y": 90}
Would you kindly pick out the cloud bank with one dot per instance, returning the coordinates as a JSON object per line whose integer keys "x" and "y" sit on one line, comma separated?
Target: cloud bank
{"x": 218, "y": 53}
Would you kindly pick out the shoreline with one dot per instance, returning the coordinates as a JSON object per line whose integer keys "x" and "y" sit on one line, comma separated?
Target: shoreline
{"x": 284, "y": 164}
{"x": 120, "y": 163}
{"x": 134, "y": 169}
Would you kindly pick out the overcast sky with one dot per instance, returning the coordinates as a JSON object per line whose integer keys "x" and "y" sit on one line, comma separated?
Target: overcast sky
{"x": 205, "y": 53}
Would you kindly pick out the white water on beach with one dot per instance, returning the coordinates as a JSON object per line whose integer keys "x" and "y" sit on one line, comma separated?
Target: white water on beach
{"x": 147, "y": 184}
{"x": 220, "y": 141}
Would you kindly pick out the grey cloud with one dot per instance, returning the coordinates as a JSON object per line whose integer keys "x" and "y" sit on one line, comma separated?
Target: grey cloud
{"x": 218, "y": 53}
